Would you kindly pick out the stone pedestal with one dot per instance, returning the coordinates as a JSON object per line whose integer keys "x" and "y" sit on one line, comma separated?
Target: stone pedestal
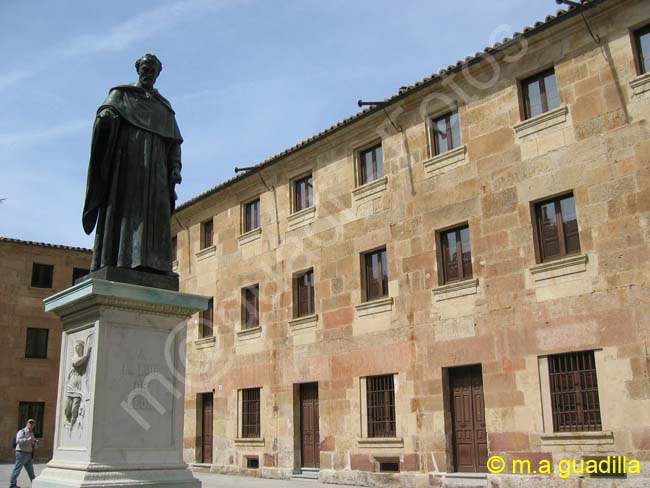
{"x": 119, "y": 418}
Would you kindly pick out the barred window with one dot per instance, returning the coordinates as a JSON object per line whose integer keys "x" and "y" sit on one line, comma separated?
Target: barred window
{"x": 32, "y": 410}
{"x": 42, "y": 275}
{"x": 250, "y": 413}
{"x": 36, "y": 343}
{"x": 574, "y": 392}
{"x": 380, "y": 392}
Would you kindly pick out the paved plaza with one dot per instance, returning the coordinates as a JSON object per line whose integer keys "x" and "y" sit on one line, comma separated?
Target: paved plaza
{"x": 209, "y": 480}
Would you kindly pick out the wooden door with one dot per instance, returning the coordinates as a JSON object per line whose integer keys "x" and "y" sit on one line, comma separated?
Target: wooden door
{"x": 206, "y": 428}
{"x": 468, "y": 418}
{"x": 309, "y": 435}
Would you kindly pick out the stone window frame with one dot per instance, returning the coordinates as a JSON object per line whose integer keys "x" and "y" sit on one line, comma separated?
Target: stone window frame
{"x": 244, "y": 215}
{"x": 206, "y": 317}
{"x": 635, "y": 33}
{"x": 548, "y": 436}
{"x": 364, "y": 282}
{"x": 369, "y": 145}
{"x": 378, "y": 442}
{"x": 32, "y": 336}
{"x": 293, "y": 195}
{"x": 207, "y": 243}
{"x": 431, "y": 126}
{"x": 42, "y": 275}
{"x": 522, "y": 83}
{"x": 295, "y": 314}
{"x": 249, "y": 441}
{"x": 245, "y": 307}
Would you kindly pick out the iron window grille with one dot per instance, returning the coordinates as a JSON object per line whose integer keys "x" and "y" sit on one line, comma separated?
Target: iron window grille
{"x": 36, "y": 343}
{"x": 42, "y": 275}
{"x": 250, "y": 413}
{"x": 380, "y": 391}
{"x": 574, "y": 392}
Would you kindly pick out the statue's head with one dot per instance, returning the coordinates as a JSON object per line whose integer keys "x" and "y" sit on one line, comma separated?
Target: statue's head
{"x": 79, "y": 347}
{"x": 148, "y": 68}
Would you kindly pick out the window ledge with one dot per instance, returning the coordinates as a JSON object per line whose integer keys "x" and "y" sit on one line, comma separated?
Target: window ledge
{"x": 252, "y": 442}
{"x": 577, "y": 438}
{"x": 205, "y": 342}
{"x": 640, "y": 84}
{"x": 370, "y": 190}
{"x": 560, "y": 267}
{"x": 446, "y": 161}
{"x": 305, "y": 322}
{"x": 250, "y": 236}
{"x": 542, "y": 121}
{"x": 206, "y": 253}
{"x": 375, "y": 306}
{"x": 249, "y": 334}
{"x": 455, "y": 290}
{"x": 380, "y": 442}
{"x": 301, "y": 218}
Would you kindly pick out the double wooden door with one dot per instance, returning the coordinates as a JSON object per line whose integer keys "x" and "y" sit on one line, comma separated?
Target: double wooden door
{"x": 207, "y": 410}
{"x": 468, "y": 419}
{"x": 309, "y": 435}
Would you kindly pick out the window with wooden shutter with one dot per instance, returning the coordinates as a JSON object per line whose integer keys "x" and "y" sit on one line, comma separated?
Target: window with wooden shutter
{"x": 574, "y": 392}
{"x": 42, "y": 275}
{"x": 206, "y": 317}
{"x": 36, "y": 343}
{"x": 252, "y": 215}
{"x": 445, "y": 133}
{"x": 303, "y": 193}
{"x": 371, "y": 164}
{"x": 557, "y": 228}
{"x": 250, "y": 404}
{"x": 251, "y": 307}
{"x": 540, "y": 94}
{"x": 32, "y": 410}
{"x": 380, "y": 399}
{"x": 207, "y": 234}
{"x": 375, "y": 274}
{"x": 456, "y": 255}
{"x": 304, "y": 294}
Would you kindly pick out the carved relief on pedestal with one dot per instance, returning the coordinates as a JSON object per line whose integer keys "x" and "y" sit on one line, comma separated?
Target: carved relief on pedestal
{"x": 77, "y": 384}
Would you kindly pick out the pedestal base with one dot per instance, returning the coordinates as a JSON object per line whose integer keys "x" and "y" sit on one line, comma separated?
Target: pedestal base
{"x": 119, "y": 419}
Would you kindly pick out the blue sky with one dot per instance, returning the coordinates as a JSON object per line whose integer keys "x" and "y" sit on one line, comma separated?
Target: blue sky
{"x": 247, "y": 79}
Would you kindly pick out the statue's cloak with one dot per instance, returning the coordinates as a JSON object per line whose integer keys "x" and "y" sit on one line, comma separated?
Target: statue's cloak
{"x": 129, "y": 192}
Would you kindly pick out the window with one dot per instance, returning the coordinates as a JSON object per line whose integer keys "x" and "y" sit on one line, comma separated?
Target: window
{"x": 36, "y": 344}
{"x": 78, "y": 273}
{"x": 371, "y": 164}
{"x": 557, "y": 228}
{"x": 251, "y": 215}
{"x": 32, "y": 410}
{"x": 540, "y": 94}
{"x": 206, "y": 328}
{"x": 303, "y": 294}
{"x": 250, "y": 413}
{"x": 303, "y": 193}
{"x": 375, "y": 274}
{"x": 207, "y": 239}
{"x": 380, "y": 391}
{"x": 42, "y": 275}
{"x": 174, "y": 248}
{"x": 642, "y": 48}
{"x": 455, "y": 255}
{"x": 445, "y": 133}
{"x": 574, "y": 392}
{"x": 250, "y": 307}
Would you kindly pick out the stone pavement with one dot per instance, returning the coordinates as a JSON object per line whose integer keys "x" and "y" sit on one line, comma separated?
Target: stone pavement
{"x": 209, "y": 480}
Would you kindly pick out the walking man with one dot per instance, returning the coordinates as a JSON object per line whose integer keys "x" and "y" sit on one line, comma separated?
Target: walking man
{"x": 25, "y": 444}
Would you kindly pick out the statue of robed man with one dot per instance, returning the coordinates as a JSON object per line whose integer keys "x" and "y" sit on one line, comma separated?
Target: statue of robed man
{"x": 135, "y": 163}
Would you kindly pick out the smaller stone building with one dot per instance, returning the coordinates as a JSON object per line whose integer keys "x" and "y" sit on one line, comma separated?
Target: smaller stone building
{"x": 30, "y": 338}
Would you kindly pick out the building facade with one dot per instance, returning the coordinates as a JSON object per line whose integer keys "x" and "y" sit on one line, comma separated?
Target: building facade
{"x": 31, "y": 338}
{"x": 459, "y": 273}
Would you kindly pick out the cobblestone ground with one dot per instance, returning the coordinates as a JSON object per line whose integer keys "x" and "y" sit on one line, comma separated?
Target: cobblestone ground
{"x": 209, "y": 480}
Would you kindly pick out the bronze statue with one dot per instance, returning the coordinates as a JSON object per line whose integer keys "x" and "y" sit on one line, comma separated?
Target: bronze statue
{"x": 135, "y": 163}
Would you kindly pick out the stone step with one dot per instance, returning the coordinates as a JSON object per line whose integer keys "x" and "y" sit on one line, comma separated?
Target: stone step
{"x": 466, "y": 480}
{"x": 307, "y": 474}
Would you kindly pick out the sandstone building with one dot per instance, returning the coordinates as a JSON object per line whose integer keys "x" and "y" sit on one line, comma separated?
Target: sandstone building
{"x": 458, "y": 273}
{"x": 31, "y": 338}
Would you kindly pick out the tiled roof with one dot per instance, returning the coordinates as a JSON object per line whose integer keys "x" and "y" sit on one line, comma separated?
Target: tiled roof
{"x": 405, "y": 91}
{"x": 44, "y": 244}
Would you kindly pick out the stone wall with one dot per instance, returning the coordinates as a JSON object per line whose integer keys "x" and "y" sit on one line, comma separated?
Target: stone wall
{"x": 21, "y": 306}
{"x": 513, "y": 315}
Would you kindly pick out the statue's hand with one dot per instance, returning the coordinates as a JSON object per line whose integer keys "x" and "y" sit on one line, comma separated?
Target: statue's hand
{"x": 176, "y": 176}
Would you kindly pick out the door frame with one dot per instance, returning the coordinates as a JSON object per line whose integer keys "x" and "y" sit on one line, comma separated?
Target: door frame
{"x": 201, "y": 438}
{"x": 297, "y": 423}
